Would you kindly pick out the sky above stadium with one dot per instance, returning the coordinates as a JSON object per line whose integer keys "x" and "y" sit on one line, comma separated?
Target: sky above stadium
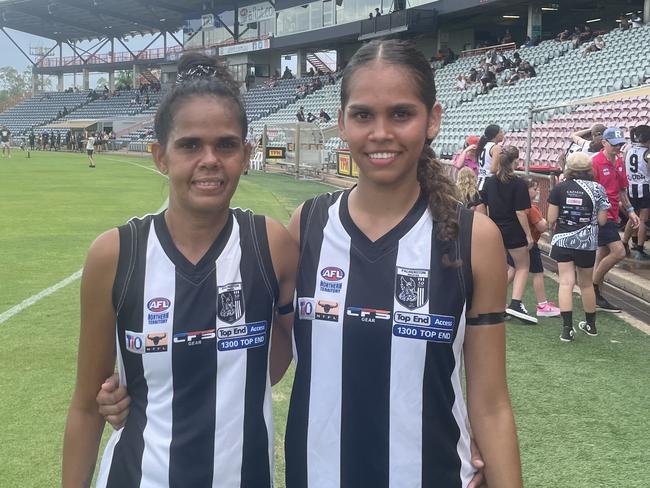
{"x": 10, "y": 55}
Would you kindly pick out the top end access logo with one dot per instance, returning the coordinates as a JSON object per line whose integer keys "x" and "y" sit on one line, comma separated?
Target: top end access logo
{"x": 332, "y": 273}
{"x": 158, "y": 304}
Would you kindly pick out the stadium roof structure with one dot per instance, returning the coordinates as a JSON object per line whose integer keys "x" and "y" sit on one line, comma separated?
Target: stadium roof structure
{"x": 76, "y": 20}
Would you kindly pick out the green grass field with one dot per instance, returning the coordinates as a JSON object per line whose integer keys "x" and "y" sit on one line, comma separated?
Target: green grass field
{"x": 581, "y": 408}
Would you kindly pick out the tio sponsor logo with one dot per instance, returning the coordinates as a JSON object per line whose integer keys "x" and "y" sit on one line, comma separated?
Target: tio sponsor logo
{"x": 158, "y": 304}
{"x": 332, "y": 273}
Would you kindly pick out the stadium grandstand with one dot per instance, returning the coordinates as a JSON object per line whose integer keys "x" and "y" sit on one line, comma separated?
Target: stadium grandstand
{"x": 541, "y": 70}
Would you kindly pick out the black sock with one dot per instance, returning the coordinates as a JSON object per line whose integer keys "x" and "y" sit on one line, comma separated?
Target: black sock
{"x": 567, "y": 318}
{"x": 590, "y": 318}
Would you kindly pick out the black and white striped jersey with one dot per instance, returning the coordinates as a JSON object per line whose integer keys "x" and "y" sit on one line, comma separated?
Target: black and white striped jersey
{"x": 636, "y": 168}
{"x": 379, "y": 330}
{"x": 193, "y": 348}
{"x": 485, "y": 164}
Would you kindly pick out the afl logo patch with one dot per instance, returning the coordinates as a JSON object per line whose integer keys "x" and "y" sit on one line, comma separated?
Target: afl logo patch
{"x": 158, "y": 304}
{"x": 332, "y": 273}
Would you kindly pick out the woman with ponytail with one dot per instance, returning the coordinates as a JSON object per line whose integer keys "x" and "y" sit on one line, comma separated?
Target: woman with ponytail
{"x": 506, "y": 198}
{"x": 396, "y": 279}
{"x": 488, "y": 152}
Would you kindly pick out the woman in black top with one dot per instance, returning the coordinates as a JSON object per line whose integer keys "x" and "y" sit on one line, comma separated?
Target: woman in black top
{"x": 506, "y": 197}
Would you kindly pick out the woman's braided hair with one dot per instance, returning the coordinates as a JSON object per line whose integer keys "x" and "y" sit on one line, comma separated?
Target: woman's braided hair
{"x": 435, "y": 185}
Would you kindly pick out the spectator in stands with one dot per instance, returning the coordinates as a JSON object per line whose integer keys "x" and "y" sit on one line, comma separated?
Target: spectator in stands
{"x": 377, "y": 12}
{"x": 370, "y": 16}
{"x": 636, "y": 21}
{"x": 597, "y": 45}
{"x": 565, "y": 35}
{"x": 609, "y": 171}
{"x": 324, "y": 116}
{"x": 527, "y": 68}
{"x": 331, "y": 79}
{"x": 507, "y": 37}
{"x": 467, "y": 157}
{"x": 300, "y": 115}
{"x": 461, "y": 82}
{"x": 287, "y": 75}
{"x": 310, "y": 117}
{"x": 310, "y": 72}
{"x": 530, "y": 42}
{"x": 637, "y": 166}
{"x": 467, "y": 189}
{"x": 538, "y": 225}
{"x": 506, "y": 197}
{"x": 575, "y": 209}
{"x": 316, "y": 84}
{"x": 488, "y": 80}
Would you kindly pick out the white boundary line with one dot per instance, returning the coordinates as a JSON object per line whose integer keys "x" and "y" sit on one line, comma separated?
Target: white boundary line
{"x": 6, "y": 315}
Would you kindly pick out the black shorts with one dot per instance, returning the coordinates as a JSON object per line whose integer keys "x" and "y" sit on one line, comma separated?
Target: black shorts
{"x": 535, "y": 255}
{"x": 90, "y": 152}
{"x": 640, "y": 202}
{"x": 581, "y": 258}
{"x": 608, "y": 233}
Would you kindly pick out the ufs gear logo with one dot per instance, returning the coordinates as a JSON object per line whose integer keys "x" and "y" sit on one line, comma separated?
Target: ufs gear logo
{"x": 158, "y": 310}
{"x": 230, "y": 302}
{"x": 411, "y": 287}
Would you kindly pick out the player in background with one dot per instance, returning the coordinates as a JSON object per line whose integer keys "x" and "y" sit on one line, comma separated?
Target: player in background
{"x": 90, "y": 149}
{"x": 637, "y": 167}
{"x": 488, "y": 152}
{"x": 5, "y": 138}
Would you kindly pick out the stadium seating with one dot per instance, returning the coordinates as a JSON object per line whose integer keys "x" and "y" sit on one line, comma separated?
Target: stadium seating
{"x": 574, "y": 75}
{"x": 40, "y": 109}
{"x": 119, "y": 105}
{"x": 552, "y": 138}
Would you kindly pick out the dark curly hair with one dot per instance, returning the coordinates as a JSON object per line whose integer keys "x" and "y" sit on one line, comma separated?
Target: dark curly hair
{"x": 198, "y": 75}
{"x": 435, "y": 185}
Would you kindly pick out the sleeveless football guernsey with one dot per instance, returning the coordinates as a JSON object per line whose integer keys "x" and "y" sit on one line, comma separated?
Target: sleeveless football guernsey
{"x": 636, "y": 168}
{"x": 192, "y": 347}
{"x": 484, "y": 164}
{"x": 379, "y": 329}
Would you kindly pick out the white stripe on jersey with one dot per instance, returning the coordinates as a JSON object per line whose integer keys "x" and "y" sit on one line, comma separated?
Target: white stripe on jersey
{"x": 231, "y": 380}
{"x": 324, "y": 428}
{"x": 407, "y": 371}
{"x": 159, "y": 281}
{"x": 459, "y": 410}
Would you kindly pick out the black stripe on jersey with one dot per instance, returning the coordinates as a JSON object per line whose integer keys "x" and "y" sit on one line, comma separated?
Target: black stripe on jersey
{"x": 127, "y": 457}
{"x": 366, "y": 358}
{"x": 313, "y": 218}
{"x": 191, "y": 452}
{"x": 256, "y": 470}
{"x": 464, "y": 242}
{"x": 440, "y": 462}
{"x": 260, "y": 240}
{"x": 125, "y": 263}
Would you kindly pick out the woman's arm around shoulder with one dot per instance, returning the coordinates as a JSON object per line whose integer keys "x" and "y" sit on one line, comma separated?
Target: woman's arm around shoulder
{"x": 95, "y": 361}
{"x": 284, "y": 254}
{"x": 488, "y": 400}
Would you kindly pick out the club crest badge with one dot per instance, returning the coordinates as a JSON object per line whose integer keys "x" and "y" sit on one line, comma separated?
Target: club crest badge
{"x": 230, "y": 302}
{"x": 411, "y": 287}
